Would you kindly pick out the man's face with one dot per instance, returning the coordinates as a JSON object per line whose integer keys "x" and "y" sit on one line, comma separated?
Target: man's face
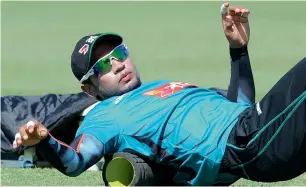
{"x": 121, "y": 78}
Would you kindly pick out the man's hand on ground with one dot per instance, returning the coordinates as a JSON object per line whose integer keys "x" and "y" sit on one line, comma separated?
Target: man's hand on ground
{"x": 235, "y": 25}
{"x": 30, "y": 134}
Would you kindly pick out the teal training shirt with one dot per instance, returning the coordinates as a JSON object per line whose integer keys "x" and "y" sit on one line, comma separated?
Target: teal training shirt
{"x": 168, "y": 122}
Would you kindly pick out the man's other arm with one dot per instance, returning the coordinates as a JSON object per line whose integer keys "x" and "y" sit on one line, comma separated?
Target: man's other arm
{"x": 71, "y": 160}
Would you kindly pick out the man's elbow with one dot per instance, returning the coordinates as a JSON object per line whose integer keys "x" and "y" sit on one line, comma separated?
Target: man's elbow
{"x": 74, "y": 173}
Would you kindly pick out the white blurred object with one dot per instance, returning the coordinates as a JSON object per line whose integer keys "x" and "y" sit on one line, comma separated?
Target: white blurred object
{"x": 223, "y": 9}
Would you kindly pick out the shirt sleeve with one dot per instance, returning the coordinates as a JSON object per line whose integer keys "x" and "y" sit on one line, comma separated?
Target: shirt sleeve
{"x": 242, "y": 81}
{"x": 101, "y": 124}
{"x": 72, "y": 160}
{"x": 96, "y": 137}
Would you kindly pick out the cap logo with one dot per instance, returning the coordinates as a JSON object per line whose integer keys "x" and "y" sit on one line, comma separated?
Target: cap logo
{"x": 84, "y": 49}
{"x": 91, "y": 39}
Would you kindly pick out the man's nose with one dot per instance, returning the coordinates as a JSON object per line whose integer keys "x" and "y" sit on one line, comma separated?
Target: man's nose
{"x": 117, "y": 66}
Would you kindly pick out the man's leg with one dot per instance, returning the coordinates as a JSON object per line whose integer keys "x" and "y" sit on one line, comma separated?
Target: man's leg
{"x": 268, "y": 143}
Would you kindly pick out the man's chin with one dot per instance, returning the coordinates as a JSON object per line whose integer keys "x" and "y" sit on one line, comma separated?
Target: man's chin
{"x": 130, "y": 85}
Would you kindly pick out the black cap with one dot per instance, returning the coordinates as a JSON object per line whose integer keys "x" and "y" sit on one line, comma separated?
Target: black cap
{"x": 81, "y": 55}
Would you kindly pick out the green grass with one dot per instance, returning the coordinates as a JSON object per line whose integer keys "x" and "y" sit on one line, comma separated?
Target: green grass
{"x": 51, "y": 177}
{"x": 168, "y": 40}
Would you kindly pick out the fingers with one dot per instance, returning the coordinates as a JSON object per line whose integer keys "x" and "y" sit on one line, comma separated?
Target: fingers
{"x": 228, "y": 22}
{"x": 20, "y": 137}
{"x": 17, "y": 140}
{"x": 33, "y": 130}
{"x": 30, "y": 126}
{"x": 35, "y": 127}
{"x": 23, "y": 133}
{"x": 244, "y": 15}
{"x": 224, "y": 9}
{"x": 41, "y": 131}
{"x": 15, "y": 146}
{"x": 239, "y": 14}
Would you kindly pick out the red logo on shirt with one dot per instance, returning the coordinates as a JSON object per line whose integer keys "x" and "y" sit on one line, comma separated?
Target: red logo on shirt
{"x": 166, "y": 90}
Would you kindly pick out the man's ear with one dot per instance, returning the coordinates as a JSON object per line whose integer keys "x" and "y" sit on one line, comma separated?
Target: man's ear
{"x": 88, "y": 89}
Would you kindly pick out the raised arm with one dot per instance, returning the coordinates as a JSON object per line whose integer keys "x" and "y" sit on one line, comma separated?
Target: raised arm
{"x": 242, "y": 82}
{"x": 237, "y": 31}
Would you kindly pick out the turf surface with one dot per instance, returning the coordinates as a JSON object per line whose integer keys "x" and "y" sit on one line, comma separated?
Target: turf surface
{"x": 51, "y": 177}
{"x": 182, "y": 41}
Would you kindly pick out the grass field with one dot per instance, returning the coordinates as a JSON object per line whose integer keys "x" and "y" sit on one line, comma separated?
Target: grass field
{"x": 181, "y": 41}
{"x": 51, "y": 177}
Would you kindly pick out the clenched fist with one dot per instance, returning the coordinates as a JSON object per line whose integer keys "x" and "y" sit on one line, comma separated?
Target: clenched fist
{"x": 235, "y": 25}
{"x": 30, "y": 134}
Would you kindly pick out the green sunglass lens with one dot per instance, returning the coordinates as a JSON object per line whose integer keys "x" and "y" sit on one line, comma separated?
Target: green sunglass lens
{"x": 104, "y": 65}
{"x": 121, "y": 52}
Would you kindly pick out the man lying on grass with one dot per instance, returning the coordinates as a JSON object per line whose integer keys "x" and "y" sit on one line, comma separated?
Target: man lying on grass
{"x": 196, "y": 130}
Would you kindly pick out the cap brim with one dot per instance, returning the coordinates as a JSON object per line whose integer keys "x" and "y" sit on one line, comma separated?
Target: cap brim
{"x": 107, "y": 38}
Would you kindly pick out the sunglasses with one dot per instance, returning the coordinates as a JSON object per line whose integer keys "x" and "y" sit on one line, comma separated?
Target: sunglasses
{"x": 104, "y": 64}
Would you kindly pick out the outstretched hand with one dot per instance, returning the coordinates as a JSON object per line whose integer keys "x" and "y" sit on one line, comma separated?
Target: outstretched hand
{"x": 30, "y": 134}
{"x": 235, "y": 24}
